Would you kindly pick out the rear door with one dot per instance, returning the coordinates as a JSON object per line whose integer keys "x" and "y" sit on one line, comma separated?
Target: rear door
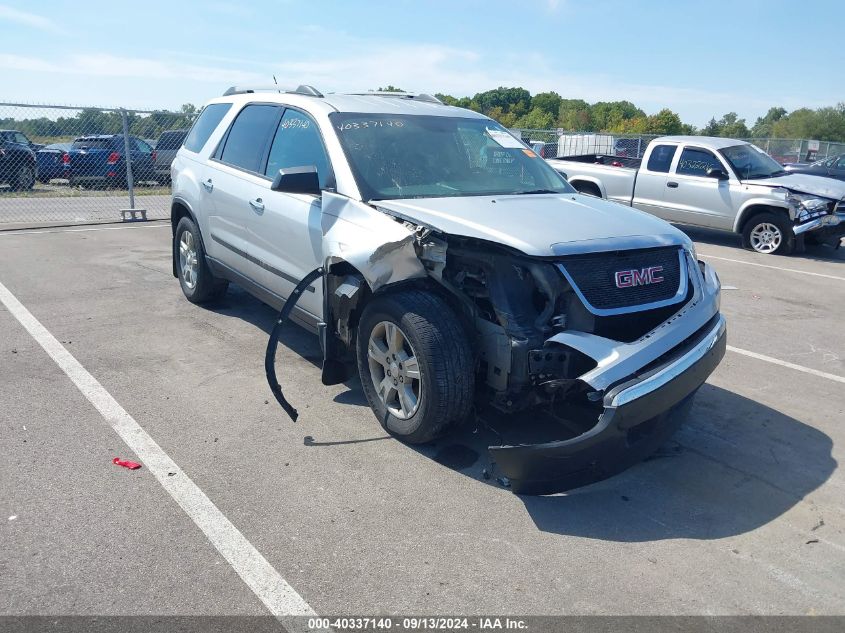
{"x": 285, "y": 229}
{"x": 693, "y": 197}
{"x": 233, "y": 178}
{"x": 650, "y": 184}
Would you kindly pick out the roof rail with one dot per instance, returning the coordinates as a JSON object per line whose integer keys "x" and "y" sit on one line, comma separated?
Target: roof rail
{"x": 416, "y": 96}
{"x": 303, "y": 89}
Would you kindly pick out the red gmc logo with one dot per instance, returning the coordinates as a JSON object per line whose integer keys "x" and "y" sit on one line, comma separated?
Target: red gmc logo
{"x": 639, "y": 277}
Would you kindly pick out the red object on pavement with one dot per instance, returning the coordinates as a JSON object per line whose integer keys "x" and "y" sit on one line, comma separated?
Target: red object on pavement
{"x": 126, "y": 463}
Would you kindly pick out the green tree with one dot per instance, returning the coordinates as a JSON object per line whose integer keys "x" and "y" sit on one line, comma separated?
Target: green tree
{"x": 764, "y": 125}
{"x": 664, "y": 122}
{"x": 390, "y": 88}
{"x": 548, "y": 102}
{"x": 536, "y": 119}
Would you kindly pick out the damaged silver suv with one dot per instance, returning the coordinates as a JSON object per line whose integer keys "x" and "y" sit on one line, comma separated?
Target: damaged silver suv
{"x": 456, "y": 269}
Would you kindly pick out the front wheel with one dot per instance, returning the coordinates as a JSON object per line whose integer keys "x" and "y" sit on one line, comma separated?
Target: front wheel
{"x": 415, "y": 364}
{"x": 769, "y": 233}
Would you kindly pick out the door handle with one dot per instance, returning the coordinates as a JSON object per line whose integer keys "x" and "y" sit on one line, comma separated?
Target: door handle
{"x": 257, "y": 205}
{"x": 208, "y": 185}
{"x": 672, "y": 184}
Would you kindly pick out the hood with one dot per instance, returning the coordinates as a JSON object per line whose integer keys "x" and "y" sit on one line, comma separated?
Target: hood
{"x": 541, "y": 225}
{"x": 805, "y": 183}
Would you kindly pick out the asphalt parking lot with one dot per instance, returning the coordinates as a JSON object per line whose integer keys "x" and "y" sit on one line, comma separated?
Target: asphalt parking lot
{"x": 742, "y": 513}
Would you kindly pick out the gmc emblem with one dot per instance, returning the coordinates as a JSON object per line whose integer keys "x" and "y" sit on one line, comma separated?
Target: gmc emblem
{"x": 639, "y": 277}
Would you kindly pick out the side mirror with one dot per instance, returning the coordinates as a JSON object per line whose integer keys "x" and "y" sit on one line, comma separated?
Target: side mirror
{"x": 297, "y": 180}
{"x": 715, "y": 172}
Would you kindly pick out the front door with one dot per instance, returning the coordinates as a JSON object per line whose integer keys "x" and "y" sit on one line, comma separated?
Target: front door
{"x": 286, "y": 231}
{"x": 693, "y": 197}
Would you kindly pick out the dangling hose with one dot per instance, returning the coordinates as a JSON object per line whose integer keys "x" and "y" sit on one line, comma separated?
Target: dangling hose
{"x": 273, "y": 343}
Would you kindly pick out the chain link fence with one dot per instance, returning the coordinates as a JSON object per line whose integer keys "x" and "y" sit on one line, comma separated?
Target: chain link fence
{"x": 64, "y": 164}
{"x": 69, "y": 164}
{"x": 554, "y": 143}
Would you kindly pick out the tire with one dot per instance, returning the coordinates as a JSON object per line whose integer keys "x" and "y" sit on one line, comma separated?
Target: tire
{"x": 769, "y": 233}
{"x": 445, "y": 381}
{"x": 198, "y": 283}
{"x": 24, "y": 178}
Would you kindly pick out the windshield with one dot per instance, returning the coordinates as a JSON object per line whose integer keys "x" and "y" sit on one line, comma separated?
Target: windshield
{"x": 414, "y": 156}
{"x": 749, "y": 162}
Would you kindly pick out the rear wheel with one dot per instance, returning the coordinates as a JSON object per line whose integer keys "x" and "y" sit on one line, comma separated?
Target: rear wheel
{"x": 415, "y": 365}
{"x": 769, "y": 233}
{"x": 198, "y": 283}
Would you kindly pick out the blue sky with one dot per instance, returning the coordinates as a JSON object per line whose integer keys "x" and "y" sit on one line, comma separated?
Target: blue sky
{"x": 697, "y": 58}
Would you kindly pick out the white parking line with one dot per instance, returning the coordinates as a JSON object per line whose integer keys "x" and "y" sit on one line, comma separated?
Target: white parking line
{"x": 160, "y": 225}
{"x": 783, "y": 363}
{"x": 788, "y": 270}
{"x": 266, "y": 583}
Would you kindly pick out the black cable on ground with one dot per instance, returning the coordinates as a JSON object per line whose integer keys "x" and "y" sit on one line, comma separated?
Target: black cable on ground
{"x": 273, "y": 343}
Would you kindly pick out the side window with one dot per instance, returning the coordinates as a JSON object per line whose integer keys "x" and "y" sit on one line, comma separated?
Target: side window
{"x": 840, "y": 164}
{"x": 204, "y": 126}
{"x": 20, "y": 138}
{"x": 696, "y": 162}
{"x": 248, "y": 136}
{"x": 143, "y": 147}
{"x": 661, "y": 158}
{"x": 298, "y": 144}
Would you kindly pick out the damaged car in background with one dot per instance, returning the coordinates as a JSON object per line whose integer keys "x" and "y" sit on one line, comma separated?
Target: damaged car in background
{"x": 718, "y": 183}
{"x": 453, "y": 270}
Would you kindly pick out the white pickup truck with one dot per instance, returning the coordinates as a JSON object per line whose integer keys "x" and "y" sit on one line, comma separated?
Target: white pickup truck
{"x": 718, "y": 183}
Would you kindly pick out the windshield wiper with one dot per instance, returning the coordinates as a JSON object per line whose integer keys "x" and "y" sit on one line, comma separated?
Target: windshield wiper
{"x": 533, "y": 191}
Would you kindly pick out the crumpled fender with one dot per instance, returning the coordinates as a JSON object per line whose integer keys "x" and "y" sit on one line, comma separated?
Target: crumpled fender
{"x": 381, "y": 248}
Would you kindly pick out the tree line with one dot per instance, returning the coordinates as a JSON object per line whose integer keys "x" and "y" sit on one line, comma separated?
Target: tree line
{"x": 512, "y": 107}
{"x": 94, "y": 121}
{"x": 517, "y": 108}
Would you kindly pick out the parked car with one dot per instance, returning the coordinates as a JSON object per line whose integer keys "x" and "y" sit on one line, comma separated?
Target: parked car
{"x": 17, "y": 161}
{"x": 168, "y": 144}
{"x": 100, "y": 160}
{"x": 454, "y": 269}
{"x": 718, "y": 183}
{"x": 833, "y": 167}
{"x": 14, "y": 136}
{"x": 53, "y": 161}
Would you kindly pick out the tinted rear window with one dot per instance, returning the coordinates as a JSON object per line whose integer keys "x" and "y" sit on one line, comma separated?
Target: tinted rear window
{"x": 205, "y": 124}
{"x": 171, "y": 140}
{"x": 661, "y": 158}
{"x": 249, "y": 136}
{"x": 93, "y": 143}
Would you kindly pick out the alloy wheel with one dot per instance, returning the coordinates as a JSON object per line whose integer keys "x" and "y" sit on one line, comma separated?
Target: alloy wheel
{"x": 394, "y": 370}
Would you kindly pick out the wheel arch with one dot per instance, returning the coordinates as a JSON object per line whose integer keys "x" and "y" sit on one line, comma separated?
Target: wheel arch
{"x": 179, "y": 209}
{"x": 753, "y": 207}
{"x": 588, "y": 182}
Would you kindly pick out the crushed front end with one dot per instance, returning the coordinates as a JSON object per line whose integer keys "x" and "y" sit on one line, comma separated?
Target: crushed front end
{"x": 615, "y": 342}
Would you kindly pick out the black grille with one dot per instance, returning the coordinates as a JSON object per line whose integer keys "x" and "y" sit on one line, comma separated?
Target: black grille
{"x": 595, "y": 276}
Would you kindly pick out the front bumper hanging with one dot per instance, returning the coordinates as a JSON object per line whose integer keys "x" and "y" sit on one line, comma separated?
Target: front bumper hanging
{"x": 639, "y": 415}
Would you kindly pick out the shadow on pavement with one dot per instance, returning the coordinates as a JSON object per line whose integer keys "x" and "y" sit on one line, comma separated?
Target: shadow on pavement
{"x": 734, "y": 466}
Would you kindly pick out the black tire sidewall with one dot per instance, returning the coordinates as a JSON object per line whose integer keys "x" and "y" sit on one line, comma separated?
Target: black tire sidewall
{"x": 787, "y": 244}
{"x": 430, "y": 419}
